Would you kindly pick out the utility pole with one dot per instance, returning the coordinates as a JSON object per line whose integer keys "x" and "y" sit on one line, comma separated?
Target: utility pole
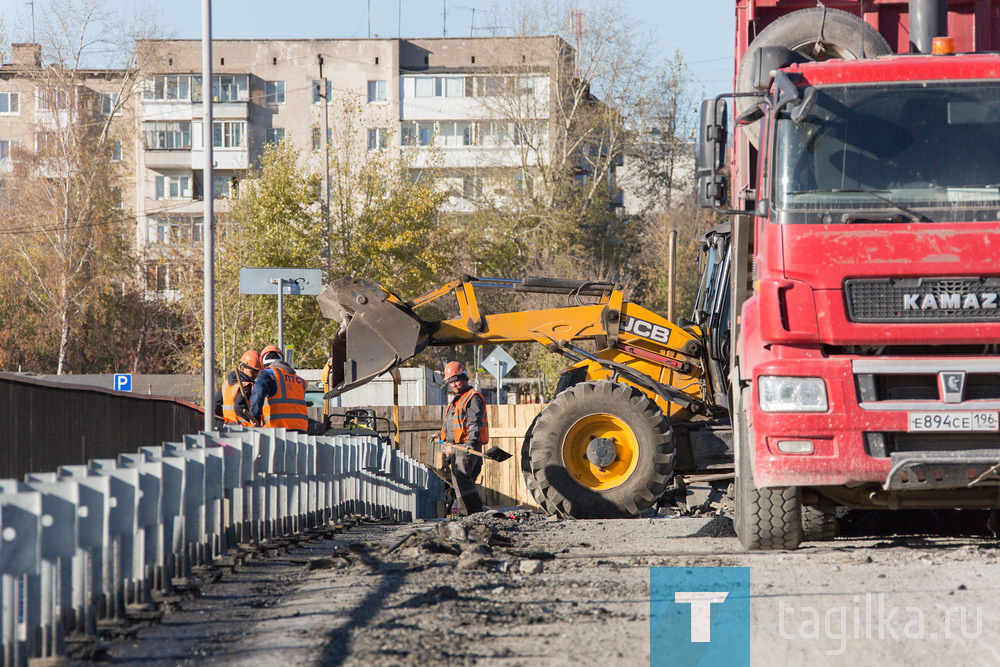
{"x": 444, "y": 19}
{"x": 324, "y": 142}
{"x": 208, "y": 231}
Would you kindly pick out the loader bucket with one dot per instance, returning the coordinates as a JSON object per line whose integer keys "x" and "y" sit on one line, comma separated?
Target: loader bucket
{"x": 377, "y": 333}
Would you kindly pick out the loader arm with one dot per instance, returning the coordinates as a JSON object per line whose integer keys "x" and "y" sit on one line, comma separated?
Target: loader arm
{"x": 379, "y": 331}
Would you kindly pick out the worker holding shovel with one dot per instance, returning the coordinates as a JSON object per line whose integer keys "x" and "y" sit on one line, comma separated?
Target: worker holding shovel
{"x": 466, "y": 428}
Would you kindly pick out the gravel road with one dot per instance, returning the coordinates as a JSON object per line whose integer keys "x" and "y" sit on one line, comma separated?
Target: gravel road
{"x": 531, "y": 590}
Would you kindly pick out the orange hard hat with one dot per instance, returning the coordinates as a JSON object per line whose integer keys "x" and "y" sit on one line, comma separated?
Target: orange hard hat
{"x": 251, "y": 359}
{"x": 453, "y": 369}
{"x": 269, "y": 353}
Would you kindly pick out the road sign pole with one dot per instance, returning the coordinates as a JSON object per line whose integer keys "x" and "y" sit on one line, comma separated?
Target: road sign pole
{"x": 280, "y": 282}
{"x": 502, "y": 367}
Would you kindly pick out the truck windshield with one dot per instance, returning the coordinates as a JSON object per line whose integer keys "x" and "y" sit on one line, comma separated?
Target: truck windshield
{"x": 891, "y": 152}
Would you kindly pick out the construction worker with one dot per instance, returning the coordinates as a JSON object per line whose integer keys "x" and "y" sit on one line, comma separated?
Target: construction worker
{"x": 465, "y": 426}
{"x": 232, "y": 401}
{"x": 279, "y": 395}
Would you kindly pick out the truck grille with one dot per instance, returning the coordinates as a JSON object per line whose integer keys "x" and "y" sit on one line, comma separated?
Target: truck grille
{"x": 923, "y": 300}
{"x": 879, "y": 444}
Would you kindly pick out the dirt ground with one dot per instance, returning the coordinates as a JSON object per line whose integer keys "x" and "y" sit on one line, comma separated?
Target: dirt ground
{"x": 529, "y": 590}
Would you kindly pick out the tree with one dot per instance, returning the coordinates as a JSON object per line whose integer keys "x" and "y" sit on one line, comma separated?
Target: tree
{"x": 70, "y": 237}
{"x": 385, "y": 224}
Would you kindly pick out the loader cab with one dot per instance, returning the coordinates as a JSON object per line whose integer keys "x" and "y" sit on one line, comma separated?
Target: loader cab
{"x": 713, "y": 309}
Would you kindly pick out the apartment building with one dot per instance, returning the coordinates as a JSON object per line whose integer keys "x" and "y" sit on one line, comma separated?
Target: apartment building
{"x": 476, "y": 110}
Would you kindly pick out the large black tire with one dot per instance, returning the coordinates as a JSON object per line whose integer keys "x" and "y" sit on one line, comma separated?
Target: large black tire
{"x": 819, "y": 523}
{"x": 768, "y": 518}
{"x": 551, "y": 438}
{"x": 819, "y": 33}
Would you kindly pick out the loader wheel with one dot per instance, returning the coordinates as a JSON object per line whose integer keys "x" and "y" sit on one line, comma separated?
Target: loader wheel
{"x": 599, "y": 450}
{"x": 819, "y": 524}
{"x": 818, "y": 32}
{"x": 525, "y": 461}
{"x": 768, "y": 518}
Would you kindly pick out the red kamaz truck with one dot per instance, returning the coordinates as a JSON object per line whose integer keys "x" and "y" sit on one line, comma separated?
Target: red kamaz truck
{"x": 863, "y": 302}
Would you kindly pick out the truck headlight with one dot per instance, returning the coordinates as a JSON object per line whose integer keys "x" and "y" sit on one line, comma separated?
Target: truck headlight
{"x": 778, "y": 393}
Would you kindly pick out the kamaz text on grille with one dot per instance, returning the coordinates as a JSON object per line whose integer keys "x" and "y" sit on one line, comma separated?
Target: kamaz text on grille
{"x": 984, "y": 301}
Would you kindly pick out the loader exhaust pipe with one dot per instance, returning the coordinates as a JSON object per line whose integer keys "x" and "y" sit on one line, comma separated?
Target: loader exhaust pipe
{"x": 928, "y": 19}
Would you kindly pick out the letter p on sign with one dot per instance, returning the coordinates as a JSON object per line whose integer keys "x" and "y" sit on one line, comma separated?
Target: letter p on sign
{"x": 123, "y": 382}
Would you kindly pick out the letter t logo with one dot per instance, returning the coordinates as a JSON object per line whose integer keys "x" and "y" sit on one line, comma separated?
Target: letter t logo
{"x": 701, "y": 611}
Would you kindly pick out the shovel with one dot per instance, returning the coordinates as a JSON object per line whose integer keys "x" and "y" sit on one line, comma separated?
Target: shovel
{"x": 493, "y": 453}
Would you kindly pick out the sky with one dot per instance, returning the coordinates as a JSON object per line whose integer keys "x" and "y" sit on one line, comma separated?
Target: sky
{"x": 701, "y": 29}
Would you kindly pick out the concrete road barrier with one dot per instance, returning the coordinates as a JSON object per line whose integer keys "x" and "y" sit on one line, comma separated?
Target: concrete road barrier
{"x": 91, "y": 548}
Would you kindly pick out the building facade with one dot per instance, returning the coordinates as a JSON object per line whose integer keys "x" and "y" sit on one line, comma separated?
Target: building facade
{"x": 475, "y": 110}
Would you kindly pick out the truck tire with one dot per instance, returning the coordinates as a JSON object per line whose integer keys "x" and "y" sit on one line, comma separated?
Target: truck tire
{"x": 818, "y": 32}
{"x": 627, "y": 468}
{"x": 768, "y": 518}
{"x": 819, "y": 524}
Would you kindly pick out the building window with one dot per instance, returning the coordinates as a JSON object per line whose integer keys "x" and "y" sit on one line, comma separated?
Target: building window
{"x": 472, "y": 186}
{"x": 493, "y": 134}
{"x": 378, "y": 91}
{"x": 228, "y": 134}
{"x": 524, "y": 183}
{"x": 7, "y": 148}
{"x": 274, "y": 135}
{"x": 274, "y": 92}
{"x": 109, "y": 102}
{"x": 230, "y": 87}
{"x": 10, "y": 103}
{"x": 318, "y": 87}
{"x": 116, "y": 150}
{"x": 317, "y": 138}
{"x": 168, "y": 135}
{"x": 378, "y": 138}
{"x": 423, "y": 86}
{"x": 454, "y": 86}
{"x": 52, "y": 99}
{"x": 173, "y": 230}
{"x": 168, "y": 88}
{"x": 225, "y": 186}
{"x": 455, "y": 133}
{"x": 173, "y": 187}
{"x": 156, "y": 277}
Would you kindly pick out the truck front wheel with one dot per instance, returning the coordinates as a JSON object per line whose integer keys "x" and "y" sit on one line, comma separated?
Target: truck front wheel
{"x": 768, "y": 518}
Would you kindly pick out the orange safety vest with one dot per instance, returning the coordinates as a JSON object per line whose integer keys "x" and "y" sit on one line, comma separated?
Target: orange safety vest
{"x": 287, "y": 408}
{"x": 229, "y": 393}
{"x": 460, "y": 430}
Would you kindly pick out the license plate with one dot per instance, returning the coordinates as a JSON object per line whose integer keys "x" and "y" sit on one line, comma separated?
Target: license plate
{"x": 953, "y": 421}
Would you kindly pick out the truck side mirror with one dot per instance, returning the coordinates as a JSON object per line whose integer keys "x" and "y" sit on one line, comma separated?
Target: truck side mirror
{"x": 710, "y": 154}
{"x": 712, "y": 136}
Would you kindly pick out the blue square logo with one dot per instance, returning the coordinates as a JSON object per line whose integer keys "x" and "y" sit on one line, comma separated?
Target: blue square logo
{"x": 699, "y": 616}
{"x": 123, "y": 382}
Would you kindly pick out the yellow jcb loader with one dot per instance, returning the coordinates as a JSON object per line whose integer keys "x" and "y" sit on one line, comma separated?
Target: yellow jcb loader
{"x": 625, "y": 419}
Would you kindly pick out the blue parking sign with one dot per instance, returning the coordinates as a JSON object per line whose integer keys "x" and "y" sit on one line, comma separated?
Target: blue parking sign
{"x": 123, "y": 382}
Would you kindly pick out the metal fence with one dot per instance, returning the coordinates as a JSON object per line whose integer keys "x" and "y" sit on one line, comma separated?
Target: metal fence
{"x": 90, "y": 547}
{"x": 45, "y": 424}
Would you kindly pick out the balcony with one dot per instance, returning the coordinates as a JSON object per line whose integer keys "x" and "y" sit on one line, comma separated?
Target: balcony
{"x": 171, "y": 159}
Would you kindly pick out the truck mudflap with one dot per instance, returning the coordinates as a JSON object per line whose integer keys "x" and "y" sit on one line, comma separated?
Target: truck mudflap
{"x": 915, "y": 471}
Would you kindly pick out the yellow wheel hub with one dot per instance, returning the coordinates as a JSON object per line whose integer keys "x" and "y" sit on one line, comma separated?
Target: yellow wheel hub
{"x": 600, "y": 451}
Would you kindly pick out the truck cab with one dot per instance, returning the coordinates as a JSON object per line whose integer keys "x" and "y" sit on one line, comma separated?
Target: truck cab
{"x": 866, "y": 273}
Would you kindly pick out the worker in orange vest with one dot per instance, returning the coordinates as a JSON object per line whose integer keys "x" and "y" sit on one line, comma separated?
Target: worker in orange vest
{"x": 232, "y": 401}
{"x": 465, "y": 425}
{"x": 279, "y": 395}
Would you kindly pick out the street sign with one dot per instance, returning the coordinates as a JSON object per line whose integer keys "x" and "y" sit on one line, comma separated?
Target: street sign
{"x": 123, "y": 382}
{"x": 499, "y": 363}
{"x": 255, "y": 280}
